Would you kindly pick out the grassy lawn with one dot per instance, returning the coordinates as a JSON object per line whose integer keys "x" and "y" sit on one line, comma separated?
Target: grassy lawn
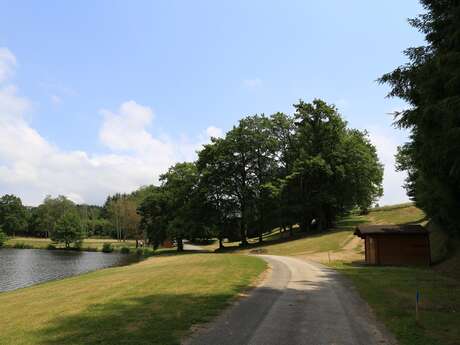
{"x": 391, "y": 293}
{"x": 152, "y": 302}
{"x": 324, "y": 242}
{"x": 87, "y": 243}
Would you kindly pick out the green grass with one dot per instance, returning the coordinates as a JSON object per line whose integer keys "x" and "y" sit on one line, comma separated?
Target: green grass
{"x": 152, "y": 302}
{"x": 396, "y": 215}
{"x": 91, "y": 243}
{"x": 324, "y": 242}
{"x": 279, "y": 243}
{"x": 390, "y": 291}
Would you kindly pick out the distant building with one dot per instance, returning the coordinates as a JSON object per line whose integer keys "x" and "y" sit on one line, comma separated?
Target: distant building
{"x": 167, "y": 244}
{"x": 395, "y": 244}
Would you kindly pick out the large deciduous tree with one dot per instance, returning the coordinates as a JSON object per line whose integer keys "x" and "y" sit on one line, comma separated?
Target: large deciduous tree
{"x": 430, "y": 84}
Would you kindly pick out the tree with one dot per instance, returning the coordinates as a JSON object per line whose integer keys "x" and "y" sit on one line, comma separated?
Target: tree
{"x": 170, "y": 211}
{"x": 68, "y": 229}
{"x": 131, "y": 220}
{"x": 430, "y": 84}
{"x": 219, "y": 204}
{"x": 51, "y": 210}
{"x": 13, "y": 215}
{"x": 334, "y": 168}
{"x": 154, "y": 217}
{"x": 179, "y": 184}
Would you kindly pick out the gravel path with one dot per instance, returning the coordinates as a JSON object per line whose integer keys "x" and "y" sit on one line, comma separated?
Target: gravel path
{"x": 299, "y": 302}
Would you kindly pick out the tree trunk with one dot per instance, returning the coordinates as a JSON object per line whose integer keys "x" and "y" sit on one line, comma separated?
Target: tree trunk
{"x": 244, "y": 240}
{"x": 180, "y": 245}
{"x": 221, "y": 243}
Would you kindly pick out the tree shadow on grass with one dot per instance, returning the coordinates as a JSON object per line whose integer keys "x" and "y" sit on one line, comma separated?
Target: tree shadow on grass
{"x": 350, "y": 222}
{"x": 258, "y": 247}
{"x": 153, "y": 319}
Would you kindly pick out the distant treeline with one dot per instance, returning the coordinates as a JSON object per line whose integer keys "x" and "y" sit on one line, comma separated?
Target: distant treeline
{"x": 64, "y": 221}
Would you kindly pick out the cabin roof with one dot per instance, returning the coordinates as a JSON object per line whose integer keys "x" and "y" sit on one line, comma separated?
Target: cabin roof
{"x": 408, "y": 229}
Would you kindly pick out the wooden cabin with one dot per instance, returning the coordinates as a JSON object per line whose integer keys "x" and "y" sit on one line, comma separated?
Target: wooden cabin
{"x": 395, "y": 244}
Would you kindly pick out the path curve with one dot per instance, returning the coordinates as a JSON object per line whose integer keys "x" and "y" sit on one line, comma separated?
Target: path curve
{"x": 299, "y": 302}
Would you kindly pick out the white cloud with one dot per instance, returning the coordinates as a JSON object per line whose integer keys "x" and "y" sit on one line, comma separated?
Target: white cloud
{"x": 252, "y": 83}
{"x": 387, "y": 142}
{"x": 32, "y": 167}
{"x": 7, "y": 64}
{"x": 214, "y": 132}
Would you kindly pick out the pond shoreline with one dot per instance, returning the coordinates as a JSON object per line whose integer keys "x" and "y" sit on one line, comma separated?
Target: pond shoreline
{"x": 29, "y": 267}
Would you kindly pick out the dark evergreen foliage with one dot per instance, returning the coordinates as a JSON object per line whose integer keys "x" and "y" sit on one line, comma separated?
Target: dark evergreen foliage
{"x": 430, "y": 83}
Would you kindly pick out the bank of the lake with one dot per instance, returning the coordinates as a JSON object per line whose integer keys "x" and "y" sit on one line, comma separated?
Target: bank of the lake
{"x": 155, "y": 301}
{"x": 24, "y": 267}
{"x": 88, "y": 244}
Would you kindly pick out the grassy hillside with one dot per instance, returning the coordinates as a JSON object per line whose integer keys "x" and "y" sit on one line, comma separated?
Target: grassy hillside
{"x": 152, "y": 302}
{"x": 336, "y": 244}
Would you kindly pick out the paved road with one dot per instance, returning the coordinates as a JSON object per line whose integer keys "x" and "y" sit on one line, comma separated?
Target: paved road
{"x": 189, "y": 246}
{"x": 299, "y": 302}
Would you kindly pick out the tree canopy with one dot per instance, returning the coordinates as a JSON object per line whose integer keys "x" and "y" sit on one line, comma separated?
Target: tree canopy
{"x": 267, "y": 172}
{"x": 13, "y": 215}
{"x": 430, "y": 84}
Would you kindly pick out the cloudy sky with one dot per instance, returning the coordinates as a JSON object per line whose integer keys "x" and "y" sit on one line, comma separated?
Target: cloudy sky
{"x": 98, "y": 97}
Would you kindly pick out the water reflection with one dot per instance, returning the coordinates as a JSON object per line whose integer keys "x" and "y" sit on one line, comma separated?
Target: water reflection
{"x": 25, "y": 267}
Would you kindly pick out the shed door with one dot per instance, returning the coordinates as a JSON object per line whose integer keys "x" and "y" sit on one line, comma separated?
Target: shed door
{"x": 372, "y": 251}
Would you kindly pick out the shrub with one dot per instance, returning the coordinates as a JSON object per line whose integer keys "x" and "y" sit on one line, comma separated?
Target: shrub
{"x": 148, "y": 252}
{"x": 107, "y": 247}
{"x": 124, "y": 250}
{"x": 140, "y": 251}
{"x": 51, "y": 246}
{"x": 22, "y": 245}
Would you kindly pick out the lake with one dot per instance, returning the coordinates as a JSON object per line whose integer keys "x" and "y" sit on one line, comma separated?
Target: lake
{"x": 24, "y": 267}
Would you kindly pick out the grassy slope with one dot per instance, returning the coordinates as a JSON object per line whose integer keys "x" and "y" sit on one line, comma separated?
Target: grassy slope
{"x": 153, "y": 302}
{"x": 334, "y": 240}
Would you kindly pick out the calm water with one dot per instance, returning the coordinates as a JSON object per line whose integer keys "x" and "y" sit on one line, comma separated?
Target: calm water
{"x": 25, "y": 267}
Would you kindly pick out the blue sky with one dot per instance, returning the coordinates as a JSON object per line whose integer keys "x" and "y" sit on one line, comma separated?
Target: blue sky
{"x": 86, "y": 85}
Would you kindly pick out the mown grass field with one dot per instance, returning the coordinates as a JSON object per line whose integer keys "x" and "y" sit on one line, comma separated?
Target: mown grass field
{"x": 152, "y": 302}
{"x": 91, "y": 243}
{"x": 390, "y": 291}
